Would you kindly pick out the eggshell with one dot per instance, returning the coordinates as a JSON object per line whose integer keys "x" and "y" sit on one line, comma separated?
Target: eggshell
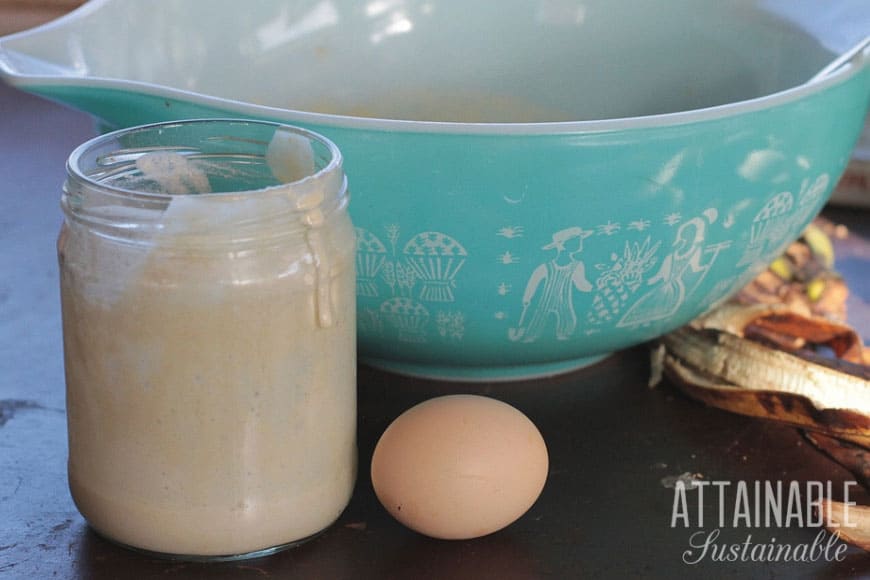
{"x": 459, "y": 466}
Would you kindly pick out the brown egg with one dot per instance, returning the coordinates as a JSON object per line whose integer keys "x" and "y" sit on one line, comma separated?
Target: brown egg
{"x": 459, "y": 466}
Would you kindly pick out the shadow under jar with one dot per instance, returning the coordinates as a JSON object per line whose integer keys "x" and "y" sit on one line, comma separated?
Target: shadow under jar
{"x": 208, "y": 297}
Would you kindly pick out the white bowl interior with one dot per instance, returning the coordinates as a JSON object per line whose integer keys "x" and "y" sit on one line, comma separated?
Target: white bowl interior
{"x": 446, "y": 60}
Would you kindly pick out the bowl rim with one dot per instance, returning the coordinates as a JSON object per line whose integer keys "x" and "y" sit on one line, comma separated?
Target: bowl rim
{"x": 34, "y": 82}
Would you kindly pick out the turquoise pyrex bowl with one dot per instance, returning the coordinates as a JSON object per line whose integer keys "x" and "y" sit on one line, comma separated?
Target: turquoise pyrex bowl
{"x": 535, "y": 183}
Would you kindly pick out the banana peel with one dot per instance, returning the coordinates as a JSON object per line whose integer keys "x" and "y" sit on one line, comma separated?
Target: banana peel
{"x": 727, "y": 371}
{"x": 713, "y": 362}
{"x": 853, "y": 457}
{"x": 759, "y": 355}
{"x": 851, "y": 524}
{"x": 732, "y": 374}
{"x": 802, "y": 278}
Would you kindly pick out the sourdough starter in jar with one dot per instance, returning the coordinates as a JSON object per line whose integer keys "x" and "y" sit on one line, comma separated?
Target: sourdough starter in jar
{"x": 208, "y": 294}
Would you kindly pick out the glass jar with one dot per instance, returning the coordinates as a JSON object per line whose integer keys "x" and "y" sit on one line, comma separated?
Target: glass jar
{"x": 208, "y": 299}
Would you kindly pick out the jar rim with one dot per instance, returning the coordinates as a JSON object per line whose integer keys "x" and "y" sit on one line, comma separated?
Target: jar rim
{"x": 333, "y": 166}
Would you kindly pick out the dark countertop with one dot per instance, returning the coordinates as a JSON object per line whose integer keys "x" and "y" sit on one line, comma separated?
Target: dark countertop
{"x": 604, "y": 513}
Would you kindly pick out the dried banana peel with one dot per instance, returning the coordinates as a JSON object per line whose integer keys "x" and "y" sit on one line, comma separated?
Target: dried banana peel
{"x": 851, "y": 524}
{"x": 802, "y": 279}
{"x": 726, "y": 371}
{"x": 756, "y": 356}
{"x": 853, "y": 457}
{"x": 786, "y": 329}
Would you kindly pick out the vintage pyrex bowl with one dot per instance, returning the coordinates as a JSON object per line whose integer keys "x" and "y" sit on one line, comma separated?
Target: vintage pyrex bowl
{"x": 535, "y": 183}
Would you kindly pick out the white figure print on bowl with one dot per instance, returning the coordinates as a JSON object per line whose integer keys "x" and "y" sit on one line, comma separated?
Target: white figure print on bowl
{"x": 550, "y": 289}
{"x": 681, "y": 272}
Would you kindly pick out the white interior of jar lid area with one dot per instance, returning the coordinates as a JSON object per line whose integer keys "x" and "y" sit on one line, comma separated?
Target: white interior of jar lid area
{"x": 206, "y": 176}
{"x": 289, "y": 157}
